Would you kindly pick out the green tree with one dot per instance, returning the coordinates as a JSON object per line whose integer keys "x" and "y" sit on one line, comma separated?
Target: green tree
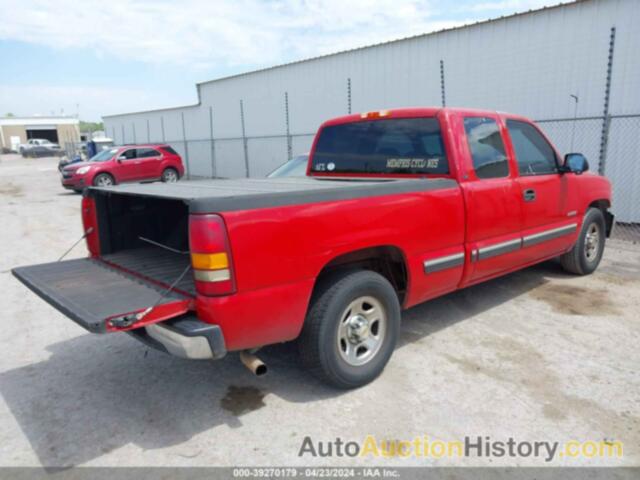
{"x": 91, "y": 126}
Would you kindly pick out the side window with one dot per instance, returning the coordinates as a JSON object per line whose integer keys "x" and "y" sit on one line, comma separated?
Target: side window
{"x": 169, "y": 149}
{"x": 129, "y": 154}
{"x": 487, "y": 148}
{"x": 533, "y": 153}
{"x": 147, "y": 152}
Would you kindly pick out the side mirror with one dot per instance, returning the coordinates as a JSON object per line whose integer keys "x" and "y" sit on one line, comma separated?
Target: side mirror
{"x": 121, "y": 158}
{"x": 575, "y": 163}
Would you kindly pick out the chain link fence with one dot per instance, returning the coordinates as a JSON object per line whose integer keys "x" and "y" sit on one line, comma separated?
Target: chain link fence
{"x": 612, "y": 146}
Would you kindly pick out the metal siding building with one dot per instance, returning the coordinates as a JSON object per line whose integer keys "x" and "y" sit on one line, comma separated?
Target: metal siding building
{"x": 17, "y": 130}
{"x": 527, "y": 63}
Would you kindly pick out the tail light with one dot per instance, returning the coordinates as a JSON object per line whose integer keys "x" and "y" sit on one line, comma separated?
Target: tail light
{"x": 90, "y": 225}
{"x": 211, "y": 255}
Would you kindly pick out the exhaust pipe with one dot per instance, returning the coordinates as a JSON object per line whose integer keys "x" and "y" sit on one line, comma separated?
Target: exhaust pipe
{"x": 253, "y": 363}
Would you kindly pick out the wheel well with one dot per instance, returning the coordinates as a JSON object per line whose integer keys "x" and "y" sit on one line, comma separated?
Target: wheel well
{"x": 387, "y": 260}
{"x": 603, "y": 205}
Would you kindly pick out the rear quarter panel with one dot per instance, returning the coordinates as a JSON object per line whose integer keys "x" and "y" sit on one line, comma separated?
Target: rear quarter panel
{"x": 279, "y": 252}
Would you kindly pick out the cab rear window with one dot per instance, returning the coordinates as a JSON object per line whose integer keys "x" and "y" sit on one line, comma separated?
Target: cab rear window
{"x": 395, "y": 145}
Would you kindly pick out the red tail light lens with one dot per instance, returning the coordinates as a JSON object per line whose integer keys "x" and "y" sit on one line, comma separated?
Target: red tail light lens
{"x": 211, "y": 255}
{"x": 90, "y": 224}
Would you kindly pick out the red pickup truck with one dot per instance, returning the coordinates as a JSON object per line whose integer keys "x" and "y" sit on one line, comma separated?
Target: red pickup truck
{"x": 398, "y": 207}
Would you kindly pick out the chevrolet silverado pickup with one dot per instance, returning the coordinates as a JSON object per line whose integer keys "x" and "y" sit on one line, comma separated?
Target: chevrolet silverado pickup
{"x": 397, "y": 207}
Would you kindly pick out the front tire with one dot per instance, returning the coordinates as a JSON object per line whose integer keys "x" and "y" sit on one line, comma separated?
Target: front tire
{"x": 586, "y": 254}
{"x": 103, "y": 180}
{"x": 351, "y": 328}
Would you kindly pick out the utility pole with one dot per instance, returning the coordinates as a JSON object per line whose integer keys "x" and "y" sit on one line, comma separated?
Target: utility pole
{"x": 575, "y": 116}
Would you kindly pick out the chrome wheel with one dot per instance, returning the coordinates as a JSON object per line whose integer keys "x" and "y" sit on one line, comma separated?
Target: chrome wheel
{"x": 361, "y": 330}
{"x": 592, "y": 242}
{"x": 104, "y": 181}
{"x": 170, "y": 176}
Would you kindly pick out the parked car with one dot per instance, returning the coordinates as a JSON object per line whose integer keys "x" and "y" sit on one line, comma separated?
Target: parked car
{"x": 296, "y": 167}
{"x": 86, "y": 149}
{"x": 399, "y": 207}
{"x": 39, "y": 147}
{"x": 64, "y": 161}
{"x": 130, "y": 163}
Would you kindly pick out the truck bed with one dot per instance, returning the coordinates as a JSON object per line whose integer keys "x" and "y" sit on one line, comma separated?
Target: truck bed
{"x": 127, "y": 276}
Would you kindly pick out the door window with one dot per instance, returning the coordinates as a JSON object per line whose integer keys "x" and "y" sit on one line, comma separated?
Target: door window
{"x": 486, "y": 146}
{"x": 147, "y": 153}
{"x": 129, "y": 154}
{"x": 533, "y": 153}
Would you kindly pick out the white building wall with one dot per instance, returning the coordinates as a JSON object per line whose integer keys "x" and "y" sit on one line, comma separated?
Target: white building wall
{"x": 527, "y": 64}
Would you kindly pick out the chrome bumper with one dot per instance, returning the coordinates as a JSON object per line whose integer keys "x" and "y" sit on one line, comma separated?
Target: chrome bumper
{"x": 186, "y": 337}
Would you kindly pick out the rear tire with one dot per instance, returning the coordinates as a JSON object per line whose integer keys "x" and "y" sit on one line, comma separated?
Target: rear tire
{"x": 103, "y": 180}
{"x": 170, "y": 175}
{"x": 586, "y": 254}
{"x": 351, "y": 328}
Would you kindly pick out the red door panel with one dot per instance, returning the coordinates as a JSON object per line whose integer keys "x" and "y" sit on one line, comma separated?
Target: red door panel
{"x": 492, "y": 198}
{"x": 548, "y": 222}
{"x": 493, "y": 226}
{"x": 150, "y": 161}
{"x": 127, "y": 166}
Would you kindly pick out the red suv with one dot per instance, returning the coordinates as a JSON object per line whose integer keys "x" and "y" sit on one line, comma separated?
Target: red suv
{"x": 131, "y": 163}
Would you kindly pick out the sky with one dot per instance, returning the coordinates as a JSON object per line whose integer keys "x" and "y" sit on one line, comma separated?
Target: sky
{"x": 95, "y": 58}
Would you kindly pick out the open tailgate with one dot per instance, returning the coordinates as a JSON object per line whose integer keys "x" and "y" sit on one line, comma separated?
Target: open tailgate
{"x": 101, "y": 297}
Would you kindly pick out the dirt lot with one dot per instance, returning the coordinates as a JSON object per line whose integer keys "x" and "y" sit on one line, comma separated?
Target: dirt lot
{"x": 537, "y": 355}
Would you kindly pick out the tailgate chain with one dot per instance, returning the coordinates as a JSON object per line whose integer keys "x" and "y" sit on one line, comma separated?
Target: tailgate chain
{"x": 84, "y": 235}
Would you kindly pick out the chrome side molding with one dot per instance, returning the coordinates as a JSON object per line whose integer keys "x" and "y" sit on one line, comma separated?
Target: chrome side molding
{"x": 490, "y": 251}
{"x": 499, "y": 249}
{"x": 548, "y": 235}
{"x": 442, "y": 263}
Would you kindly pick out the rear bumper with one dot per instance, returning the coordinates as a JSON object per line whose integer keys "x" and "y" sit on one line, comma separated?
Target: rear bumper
{"x": 185, "y": 337}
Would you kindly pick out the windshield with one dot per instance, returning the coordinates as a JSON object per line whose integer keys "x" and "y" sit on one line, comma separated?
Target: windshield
{"x": 402, "y": 145}
{"x": 296, "y": 167}
{"x": 104, "y": 155}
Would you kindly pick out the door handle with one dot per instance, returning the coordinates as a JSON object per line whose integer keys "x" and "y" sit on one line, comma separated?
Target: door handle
{"x": 529, "y": 195}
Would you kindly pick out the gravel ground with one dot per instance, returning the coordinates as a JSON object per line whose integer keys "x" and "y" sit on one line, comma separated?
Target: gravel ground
{"x": 537, "y": 355}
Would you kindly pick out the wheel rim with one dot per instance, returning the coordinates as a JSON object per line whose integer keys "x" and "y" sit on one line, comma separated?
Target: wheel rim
{"x": 592, "y": 242}
{"x": 104, "y": 181}
{"x": 170, "y": 176}
{"x": 361, "y": 331}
